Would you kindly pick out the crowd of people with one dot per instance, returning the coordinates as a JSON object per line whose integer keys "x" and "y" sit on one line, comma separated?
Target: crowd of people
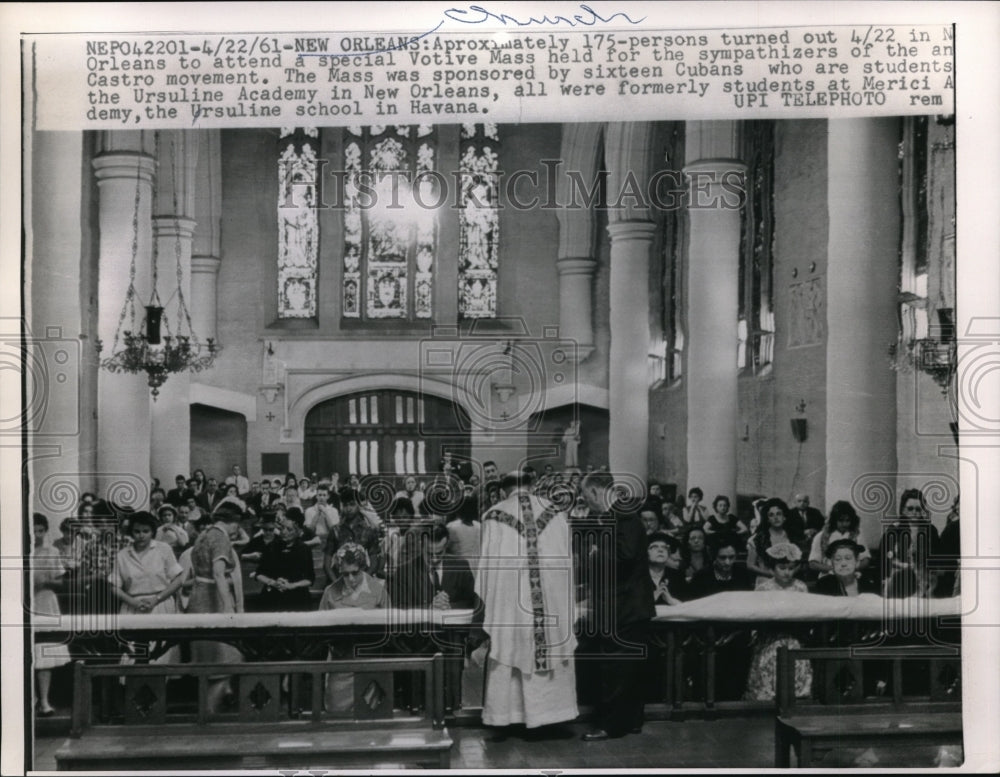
{"x": 317, "y": 543}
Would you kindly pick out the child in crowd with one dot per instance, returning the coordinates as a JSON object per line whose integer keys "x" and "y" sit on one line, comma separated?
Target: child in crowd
{"x": 783, "y": 561}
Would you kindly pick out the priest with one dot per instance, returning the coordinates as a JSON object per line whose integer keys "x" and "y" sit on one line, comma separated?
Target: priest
{"x": 525, "y": 581}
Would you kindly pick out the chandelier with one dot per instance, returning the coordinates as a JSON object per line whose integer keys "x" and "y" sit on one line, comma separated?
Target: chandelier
{"x": 152, "y": 346}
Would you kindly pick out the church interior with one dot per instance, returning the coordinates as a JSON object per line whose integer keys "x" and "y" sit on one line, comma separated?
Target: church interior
{"x": 708, "y": 311}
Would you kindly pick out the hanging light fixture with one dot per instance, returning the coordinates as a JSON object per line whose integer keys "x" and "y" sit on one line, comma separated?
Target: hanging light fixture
{"x": 153, "y": 347}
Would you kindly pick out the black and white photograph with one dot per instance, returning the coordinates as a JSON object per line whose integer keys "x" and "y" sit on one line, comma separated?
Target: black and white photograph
{"x": 525, "y": 387}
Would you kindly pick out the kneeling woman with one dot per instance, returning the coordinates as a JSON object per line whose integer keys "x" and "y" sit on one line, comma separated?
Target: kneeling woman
{"x": 353, "y": 587}
{"x": 286, "y": 569}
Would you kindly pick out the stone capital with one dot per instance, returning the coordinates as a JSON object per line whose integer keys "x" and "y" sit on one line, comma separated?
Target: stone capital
{"x": 631, "y": 230}
{"x": 174, "y": 226}
{"x": 205, "y": 265}
{"x": 576, "y": 265}
{"x": 124, "y": 165}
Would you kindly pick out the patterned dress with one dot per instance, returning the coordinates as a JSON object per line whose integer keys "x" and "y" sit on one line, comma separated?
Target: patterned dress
{"x": 762, "y": 679}
{"x": 212, "y": 544}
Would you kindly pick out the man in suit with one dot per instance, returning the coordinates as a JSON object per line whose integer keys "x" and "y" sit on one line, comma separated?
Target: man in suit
{"x": 210, "y": 497}
{"x": 265, "y": 500}
{"x": 178, "y": 495}
{"x": 431, "y": 578}
{"x": 623, "y": 608}
{"x": 803, "y": 520}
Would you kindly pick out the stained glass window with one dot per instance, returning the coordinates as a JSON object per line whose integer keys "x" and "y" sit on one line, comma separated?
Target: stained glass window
{"x": 298, "y": 227}
{"x": 479, "y": 222}
{"x": 390, "y": 230}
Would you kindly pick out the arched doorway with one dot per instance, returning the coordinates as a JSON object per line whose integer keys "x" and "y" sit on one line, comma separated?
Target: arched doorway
{"x": 386, "y": 432}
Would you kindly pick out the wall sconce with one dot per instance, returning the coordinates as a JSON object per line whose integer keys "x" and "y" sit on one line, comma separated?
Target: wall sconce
{"x": 800, "y": 426}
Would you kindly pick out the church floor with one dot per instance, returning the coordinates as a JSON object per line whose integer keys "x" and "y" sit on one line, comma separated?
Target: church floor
{"x": 693, "y": 744}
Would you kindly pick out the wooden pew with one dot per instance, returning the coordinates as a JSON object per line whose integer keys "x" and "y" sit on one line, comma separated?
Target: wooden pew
{"x": 840, "y": 715}
{"x": 131, "y": 717}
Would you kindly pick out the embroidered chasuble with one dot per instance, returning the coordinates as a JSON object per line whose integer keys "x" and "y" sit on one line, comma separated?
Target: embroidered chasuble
{"x": 525, "y": 580}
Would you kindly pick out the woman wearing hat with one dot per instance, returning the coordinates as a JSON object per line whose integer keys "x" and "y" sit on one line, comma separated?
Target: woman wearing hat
{"x": 782, "y": 560}
{"x": 845, "y": 580}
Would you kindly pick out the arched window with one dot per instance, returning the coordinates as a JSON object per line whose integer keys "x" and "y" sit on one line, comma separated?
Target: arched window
{"x": 392, "y": 200}
{"x": 390, "y": 238}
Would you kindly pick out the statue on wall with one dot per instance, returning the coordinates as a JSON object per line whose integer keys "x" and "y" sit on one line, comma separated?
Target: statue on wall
{"x": 571, "y": 444}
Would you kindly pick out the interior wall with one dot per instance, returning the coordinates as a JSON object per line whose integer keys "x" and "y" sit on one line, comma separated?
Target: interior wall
{"x": 218, "y": 441}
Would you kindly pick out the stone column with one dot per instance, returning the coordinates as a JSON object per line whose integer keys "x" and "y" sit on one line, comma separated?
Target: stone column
{"x": 55, "y": 321}
{"x": 628, "y": 373}
{"x": 206, "y": 251}
{"x": 628, "y": 155}
{"x": 713, "y": 289}
{"x": 124, "y": 170}
{"x": 863, "y": 205}
{"x": 576, "y": 265}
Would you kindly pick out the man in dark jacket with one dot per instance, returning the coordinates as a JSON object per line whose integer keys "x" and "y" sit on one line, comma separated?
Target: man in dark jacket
{"x": 623, "y": 611}
{"x": 432, "y": 579}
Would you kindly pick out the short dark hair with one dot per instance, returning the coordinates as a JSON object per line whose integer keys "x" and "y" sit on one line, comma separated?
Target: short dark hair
{"x": 725, "y": 540}
{"x": 695, "y": 491}
{"x": 37, "y": 519}
{"x": 143, "y": 518}
{"x": 296, "y": 515}
{"x": 672, "y": 543}
{"x": 721, "y": 498}
{"x": 515, "y": 479}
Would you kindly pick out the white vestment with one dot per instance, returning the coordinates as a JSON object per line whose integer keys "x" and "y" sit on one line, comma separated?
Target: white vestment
{"x": 525, "y": 580}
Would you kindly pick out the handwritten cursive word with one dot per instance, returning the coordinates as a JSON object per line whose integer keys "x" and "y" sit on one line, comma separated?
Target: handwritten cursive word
{"x": 476, "y": 14}
{"x": 483, "y": 15}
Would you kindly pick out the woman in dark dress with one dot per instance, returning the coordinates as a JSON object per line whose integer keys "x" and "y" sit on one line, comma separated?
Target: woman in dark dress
{"x": 845, "y": 580}
{"x": 286, "y": 569}
{"x": 906, "y": 548}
